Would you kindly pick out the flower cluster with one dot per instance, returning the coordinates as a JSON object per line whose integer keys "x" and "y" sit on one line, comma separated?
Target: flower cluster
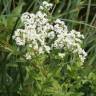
{"x": 46, "y": 5}
{"x": 38, "y": 31}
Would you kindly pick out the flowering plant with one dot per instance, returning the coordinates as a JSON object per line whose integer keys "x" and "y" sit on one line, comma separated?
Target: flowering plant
{"x": 41, "y": 35}
{"x": 53, "y": 53}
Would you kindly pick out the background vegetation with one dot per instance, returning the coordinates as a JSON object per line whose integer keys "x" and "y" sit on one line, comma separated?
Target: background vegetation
{"x": 14, "y": 72}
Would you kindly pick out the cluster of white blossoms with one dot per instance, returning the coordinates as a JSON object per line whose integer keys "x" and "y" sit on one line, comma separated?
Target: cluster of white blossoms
{"x": 38, "y": 31}
{"x": 45, "y": 5}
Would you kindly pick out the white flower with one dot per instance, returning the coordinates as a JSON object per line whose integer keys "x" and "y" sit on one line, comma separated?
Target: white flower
{"x": 19, "y": 41}
{"x": 28, "y": 56}
{"x": 51, "y": 34}
{"x": 61, "y": 55}
{"x": 47, "y": 48}
{"x": 41, "y": 51}
{"x": 36, "y": 46}
{"x": 58, "y": 21}
{"x": 41, "y": 7}
{"x": 46, "y": 5}
{"x": 20, "y": 37}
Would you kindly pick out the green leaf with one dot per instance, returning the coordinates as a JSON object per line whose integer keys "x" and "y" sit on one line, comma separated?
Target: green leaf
{"x": 14, "y": 15}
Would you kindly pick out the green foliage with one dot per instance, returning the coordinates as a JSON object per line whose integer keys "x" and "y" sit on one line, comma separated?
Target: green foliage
{"x": 47, "y": 75}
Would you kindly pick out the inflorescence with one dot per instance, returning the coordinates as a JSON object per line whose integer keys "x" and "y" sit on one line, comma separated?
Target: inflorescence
{"x": 40, "y": 36}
